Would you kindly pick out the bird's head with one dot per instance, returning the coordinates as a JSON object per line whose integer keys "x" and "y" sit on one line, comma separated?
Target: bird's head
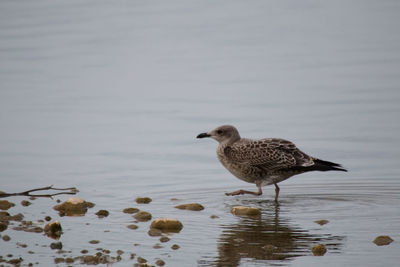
{"x": 226, "y": 134}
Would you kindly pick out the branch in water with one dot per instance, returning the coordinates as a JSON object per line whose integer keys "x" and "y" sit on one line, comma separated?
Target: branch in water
{"x": 72, "y": 191}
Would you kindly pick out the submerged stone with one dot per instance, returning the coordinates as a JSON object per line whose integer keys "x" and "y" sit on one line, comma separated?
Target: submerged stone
{"x": 143, "y": 200}
{"x": 175, "y": 246}
{"x": 5, "y": 204}
{"x": 6, "y": 238}
{"x": 154, "y": 232}
{"x": 143, "y": 216}
{"x": 318, "y": 250}
{"x": 102, "y": 213}
{"x": 245, "y": 211}
{"x": 164, "y": 239}
{"x": 167, "y": 225}
{"x": 132, "y": 226}
{"x": 74, "y": 206}
{"x": 130, "y": 210}
{"x": 160, "y": 262}
{"x": 190, "y": 206}
{"x": 383, "y": 240}
{"x": 25, "y": 203}
{"x": 321, "y": 222}
{"x": 3, "y": 226}
{"x": 56, "y": 245}
{"x": 53, "y": 229}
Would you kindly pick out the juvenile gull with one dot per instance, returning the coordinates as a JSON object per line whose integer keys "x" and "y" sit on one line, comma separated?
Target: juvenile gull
{"x": 265, "y": 161}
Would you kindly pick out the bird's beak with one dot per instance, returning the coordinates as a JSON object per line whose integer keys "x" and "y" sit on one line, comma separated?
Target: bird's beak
{"x": 203, "y": 135}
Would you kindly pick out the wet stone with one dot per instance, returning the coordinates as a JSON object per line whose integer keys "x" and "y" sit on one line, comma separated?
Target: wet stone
{"x": 74, "y": 206}
{"x": 245, "y": 211}
{"x": 120, "y": 252}
{"x": 84, "y": 251}
{"x": 321, "y": 222}
{"x": 318, "y": 250}
{"x": 154, "y": 232}
{"x": 164, "y": 239}
{"x": 6, "y": 238}
{"x": 25, "y": 203}
{"x": 3, "y": 226}
{"x": 132, "y": 226}
{"x": 59, "y": 260}
{"x": 141, "y": 260}
{"x": 167, "y": 225}
{"x": 22, "y": 245}
{"x": 214, "y": 217}
{"x": 143, "y": 200}
{"x": 56, "y": 245}
{"x": 94, "y": 241}
{"x": 190, "y": 206}
{"x": 175, "y": 246}
{"x": 90, "y": 204}
{"x": 102, "y": 213}
{"x": 130, "y": 210}
{"x": 160, "y": 262}
{"x": 5, "y": 204}
{"x": 53, "y": 229}
{"x": 143, "y": 216}
{"x": 383, "y": 240}
{"x": 47, "y": 218}
{"x": 156, "y": 246}
{"x": 269, "y": 248}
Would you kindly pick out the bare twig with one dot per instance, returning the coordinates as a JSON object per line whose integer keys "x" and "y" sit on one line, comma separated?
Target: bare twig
{"x": 72, "y": 191}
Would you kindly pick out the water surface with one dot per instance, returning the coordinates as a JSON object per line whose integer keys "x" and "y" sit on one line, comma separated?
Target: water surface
{"x": 108, "y": 97}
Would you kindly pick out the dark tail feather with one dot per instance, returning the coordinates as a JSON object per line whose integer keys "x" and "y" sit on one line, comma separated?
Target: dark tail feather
{"x": 323, "y": 165}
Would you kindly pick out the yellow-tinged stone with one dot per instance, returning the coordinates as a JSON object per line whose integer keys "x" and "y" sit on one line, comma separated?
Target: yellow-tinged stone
{"x": 318, "y": 250}
{"x": 246, "y": 211}
{"x": 167, "y": 225}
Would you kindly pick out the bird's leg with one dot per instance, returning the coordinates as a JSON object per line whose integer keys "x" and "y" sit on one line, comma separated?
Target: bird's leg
{"x": 276, "y": 192}
{"x": 242, "y": 192}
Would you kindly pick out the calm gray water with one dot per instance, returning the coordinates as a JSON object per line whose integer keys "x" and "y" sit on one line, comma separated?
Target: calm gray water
{"x": 108, "y": 96}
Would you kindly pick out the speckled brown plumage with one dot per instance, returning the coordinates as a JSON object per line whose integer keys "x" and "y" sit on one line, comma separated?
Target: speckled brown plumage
{"x": 265, "y": 161}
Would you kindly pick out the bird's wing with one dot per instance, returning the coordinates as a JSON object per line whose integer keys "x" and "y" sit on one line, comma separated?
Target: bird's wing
{"x": 268, "y": 154}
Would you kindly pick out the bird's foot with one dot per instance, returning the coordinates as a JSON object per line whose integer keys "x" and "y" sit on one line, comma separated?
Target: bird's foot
{"x": 242, "y": 192}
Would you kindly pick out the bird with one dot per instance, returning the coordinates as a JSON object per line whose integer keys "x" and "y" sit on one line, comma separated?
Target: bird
{"x": 265, "y": 161}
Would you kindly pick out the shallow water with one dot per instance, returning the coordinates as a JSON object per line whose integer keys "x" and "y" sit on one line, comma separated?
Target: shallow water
{"x": 109, "y": 98}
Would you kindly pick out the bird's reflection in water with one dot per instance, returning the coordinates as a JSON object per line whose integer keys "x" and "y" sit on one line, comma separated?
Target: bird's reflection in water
{"x": 267, "y": 238}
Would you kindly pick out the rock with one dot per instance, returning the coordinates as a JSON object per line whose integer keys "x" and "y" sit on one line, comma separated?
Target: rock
{"x": 6, "y": 238}
{"x": 175, "y": 246}
{"x": 130, "y": 210}
{"x": 132, "y": 226}
{"x": 246, "y": 211}
{"x": 190, "y": 206}
{"x": 53, "y": 230}
{"x": 160, "y": 262}
{"x": 5, "y": 204}
{"x": 102, "y": 213}
{"x": 120, "y": 252}
{"x": 164, "y": 239}
{"x": 156, "y": 246}
{"x": 318, "y": 250}
{"x": 383, "y": 240}
{"x": 69, "y": 260}
{"x": 94, "y": 241}
{"x": 3, "y": 226}
{"x": 143, "y": 216}
{"x": 74, "y": 206}
{"x": 141, "y": 260}
{"x": 214, "y": 217}
{"x": 47, "y": 218}
{"x": 269, "y": 248}
{"x": 59, "y": 260}
{"x": 321, "y": 222}
{"x": 90, "y": 204}
{"x": 154, "y": 232}
{"x": 167, "y": 225}
{"x": 84, "y": 251}
{"x": 143, "y": 200}
{"x": 25, "y": 203}
{"x": 56, "y": 245}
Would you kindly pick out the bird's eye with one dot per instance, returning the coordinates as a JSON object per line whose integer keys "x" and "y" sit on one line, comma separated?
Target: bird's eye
{"x": 219, "y": 132}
